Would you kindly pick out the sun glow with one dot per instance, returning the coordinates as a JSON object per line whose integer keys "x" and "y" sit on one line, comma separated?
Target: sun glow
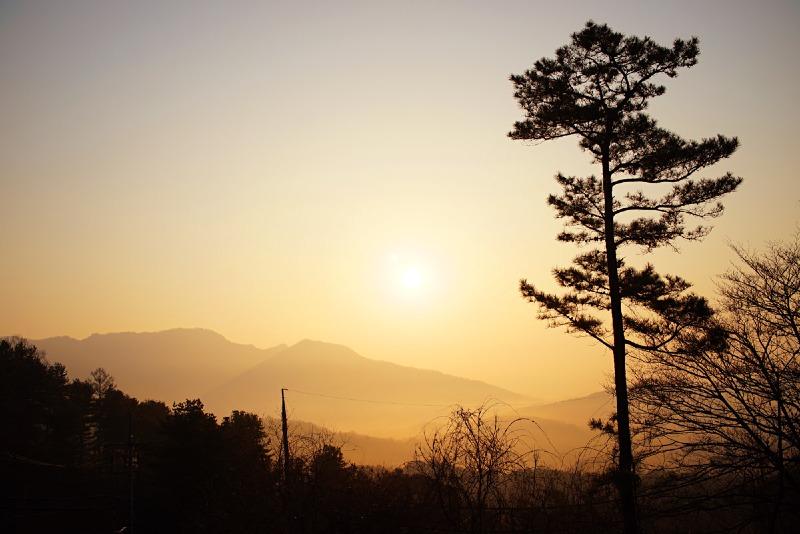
{"x": 412, "y": 278}
{"x": 409, "y": 275}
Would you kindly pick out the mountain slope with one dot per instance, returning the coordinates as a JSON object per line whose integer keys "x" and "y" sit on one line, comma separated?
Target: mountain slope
{"x": 576, "y": 411}
{"x": 563, "y": 426}
{"x": 304, "y": 438}
{"x": 171, "y": 365}
{"x": 189, "y": 363}
{"x": 362, "y": 401}
{"x": 391, "y": 400}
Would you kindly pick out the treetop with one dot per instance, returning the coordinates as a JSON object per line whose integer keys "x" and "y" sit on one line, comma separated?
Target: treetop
{"x": 602, "y": 75}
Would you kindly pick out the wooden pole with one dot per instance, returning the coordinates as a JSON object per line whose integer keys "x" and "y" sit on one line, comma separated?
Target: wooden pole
{"x": 285, "y": 437}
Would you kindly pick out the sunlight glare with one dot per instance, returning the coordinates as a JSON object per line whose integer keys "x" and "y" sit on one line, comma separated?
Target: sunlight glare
{"x": 412, "y": 278}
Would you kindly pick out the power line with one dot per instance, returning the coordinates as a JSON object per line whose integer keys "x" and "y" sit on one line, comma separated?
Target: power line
{"x": 370, "y": 401}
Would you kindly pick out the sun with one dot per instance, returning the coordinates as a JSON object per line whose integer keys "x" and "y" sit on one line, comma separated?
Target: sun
{"x": 408, "y": 276}
{"x": 412, "y": 277}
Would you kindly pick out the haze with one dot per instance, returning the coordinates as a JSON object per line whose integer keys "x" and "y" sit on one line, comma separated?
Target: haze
{"x": 341, "y": 171}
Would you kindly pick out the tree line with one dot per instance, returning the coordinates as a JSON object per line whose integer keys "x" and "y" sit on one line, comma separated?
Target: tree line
{"x": 80, "y": 455}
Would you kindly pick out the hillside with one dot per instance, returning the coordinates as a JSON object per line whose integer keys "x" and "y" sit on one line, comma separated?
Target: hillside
{"x": 391, "y": 400}
{"x": 357, "y": 448}
{"x": 334, "y": 386}
{"x": 171, "y": 365}
{"x": 576, "y": 411}
{"x": 562, "y": 427}
{"x": 377, "y": 410}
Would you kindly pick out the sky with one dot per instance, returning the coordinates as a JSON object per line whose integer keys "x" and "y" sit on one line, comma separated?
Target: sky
{"x": 340, "y": 171}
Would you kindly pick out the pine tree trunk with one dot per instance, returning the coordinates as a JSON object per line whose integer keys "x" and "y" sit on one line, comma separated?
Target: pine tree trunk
{"x": 626, "y": 480}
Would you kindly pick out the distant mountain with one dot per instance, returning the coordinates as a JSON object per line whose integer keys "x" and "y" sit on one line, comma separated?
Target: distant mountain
{"x": 576, "y": 411}
{"x": 334, "y": 386}
{"x": 363, "y": 402}
{"x": 356, "y": 448}
{"x": 172, "y": 365}
{"x": 387, "y": 400}
{"x": 558, "y": 442}
{"x": 563, "y": 427}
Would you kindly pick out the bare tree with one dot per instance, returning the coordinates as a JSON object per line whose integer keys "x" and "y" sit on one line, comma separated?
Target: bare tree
{"x": 732, "y": 408}
{"x": 101, "y": 382}
{"x": 306, "y": 442}
{"x": 470, "y": 458}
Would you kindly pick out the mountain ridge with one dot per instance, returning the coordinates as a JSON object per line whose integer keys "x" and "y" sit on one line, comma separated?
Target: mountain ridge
{"x": 169, "y": 365}
{"x": 176, "y": 364}
{"x": 329, "y": 384}
{"x": 360, "y": 394}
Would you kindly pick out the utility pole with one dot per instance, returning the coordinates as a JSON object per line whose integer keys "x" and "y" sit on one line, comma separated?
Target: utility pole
{"x": 285, "y": 437}
{"x": 130, "y": 472}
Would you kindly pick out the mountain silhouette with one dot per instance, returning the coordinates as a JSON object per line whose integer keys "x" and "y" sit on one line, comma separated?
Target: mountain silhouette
{"x": 388, "y": 400}
{"x": 563, "y": 427}
{"x": 365, "y": 402}
{"x": 336, "y": 387}
{"x": 576, "y": 411}
{"x": 171, "y": 365}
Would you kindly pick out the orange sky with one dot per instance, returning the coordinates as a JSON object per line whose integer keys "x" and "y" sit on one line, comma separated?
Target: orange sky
{"x": 278, "y": 172}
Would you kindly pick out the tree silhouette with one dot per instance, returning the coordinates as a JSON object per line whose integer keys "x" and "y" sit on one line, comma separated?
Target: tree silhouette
{"x": 733, "y": 410}
{"x": 37, "y": 423}
{"x": 190, "y": 469}
{"x": 471, "y": 459}
{"x": 102, "y": 382}
{"x": 597, "y": 88}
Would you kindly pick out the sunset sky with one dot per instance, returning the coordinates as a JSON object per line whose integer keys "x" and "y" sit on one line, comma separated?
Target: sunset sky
{"x": 340, "y": 170}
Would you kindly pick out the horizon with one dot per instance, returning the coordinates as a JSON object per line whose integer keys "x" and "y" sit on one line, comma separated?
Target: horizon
{"x": 328, "y": 385}
{"x": 282, "y": 346}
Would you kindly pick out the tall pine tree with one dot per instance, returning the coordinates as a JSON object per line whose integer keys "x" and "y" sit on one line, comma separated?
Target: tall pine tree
{"x": 597, "y": 88}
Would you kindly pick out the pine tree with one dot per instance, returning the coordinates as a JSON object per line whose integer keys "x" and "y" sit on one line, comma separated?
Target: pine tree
{"x": 597, "y": 88}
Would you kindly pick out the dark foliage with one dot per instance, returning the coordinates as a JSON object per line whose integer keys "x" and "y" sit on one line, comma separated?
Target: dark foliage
{"x": 77, "y": 452}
